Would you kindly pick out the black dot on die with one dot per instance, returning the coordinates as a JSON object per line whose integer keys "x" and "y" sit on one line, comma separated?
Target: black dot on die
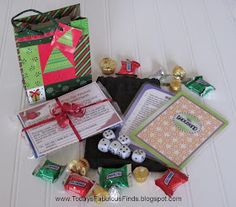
{"x": 123, "y": 151}
{"x": 135, "y": 158}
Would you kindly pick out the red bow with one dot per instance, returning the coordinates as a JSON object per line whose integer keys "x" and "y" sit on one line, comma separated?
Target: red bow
{"x": 62, "y": 112}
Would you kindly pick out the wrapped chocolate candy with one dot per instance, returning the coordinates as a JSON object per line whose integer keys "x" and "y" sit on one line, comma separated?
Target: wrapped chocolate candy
{"x": 114, "y": 193}
{"x": 199, "y": 86}
{"x": 99, "y": 193}
{"x": 175, "y": 85}
{"x": 179, "y": 72}
{"x": 171, "y": 180}
{"x": 79, "y": 166}
{"x": 119, "y": 177}
{"x": 128, "y": 67}
{"x": 158, "y": 75}
{"x": 141, "y": 174}
{"x": 73, "y": 166}
{"x": 78, "y": 185}
{"x": 83, "y": 166}
{"x": 48, "y": 171}
{"x": 166, "y": 79}
{"x": 108, "y": 66}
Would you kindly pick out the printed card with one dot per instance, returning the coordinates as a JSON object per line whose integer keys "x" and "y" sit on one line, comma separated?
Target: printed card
{"x": 149, "y": 99}
{"x": 178, "y": 130}
{"x": 49, "y": 137}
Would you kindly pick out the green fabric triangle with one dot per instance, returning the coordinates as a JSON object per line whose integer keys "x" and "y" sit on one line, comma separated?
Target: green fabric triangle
{"x": 66, "y": 39}
{"x": 57, "y": 61}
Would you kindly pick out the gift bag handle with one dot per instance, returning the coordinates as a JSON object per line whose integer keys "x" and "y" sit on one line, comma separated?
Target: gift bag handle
{"x": 27, "y": 28}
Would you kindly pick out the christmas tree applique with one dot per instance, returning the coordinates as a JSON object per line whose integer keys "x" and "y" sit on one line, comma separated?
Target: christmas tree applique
{"x": 66, "y": 39}
{"x": 57, "y": 61}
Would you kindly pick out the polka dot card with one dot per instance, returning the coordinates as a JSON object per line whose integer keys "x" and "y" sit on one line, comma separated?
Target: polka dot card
{"x": 175, "y": 132}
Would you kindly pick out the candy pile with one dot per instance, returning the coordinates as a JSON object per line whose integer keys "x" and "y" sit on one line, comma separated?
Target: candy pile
{"x": 128, "y": 67}
{"x": 196, "y": 84}
{"x": 111, "y": 180}
{"x": 174, "y": 81}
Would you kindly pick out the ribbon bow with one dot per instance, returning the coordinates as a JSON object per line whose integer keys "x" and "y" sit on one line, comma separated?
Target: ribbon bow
{"x": 62, "y": 111}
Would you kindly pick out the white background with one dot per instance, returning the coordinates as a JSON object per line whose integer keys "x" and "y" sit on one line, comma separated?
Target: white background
{"x": 200, "y": 35}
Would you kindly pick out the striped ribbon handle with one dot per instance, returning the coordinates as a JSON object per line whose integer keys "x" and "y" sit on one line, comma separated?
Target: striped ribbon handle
{"x": 27, "y": 27}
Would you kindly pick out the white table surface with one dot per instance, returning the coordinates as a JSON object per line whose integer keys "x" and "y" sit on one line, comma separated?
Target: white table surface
{"x": 200, "y": 35}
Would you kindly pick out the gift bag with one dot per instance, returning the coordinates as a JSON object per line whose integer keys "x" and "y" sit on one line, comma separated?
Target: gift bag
{"x": 53, "y": 51}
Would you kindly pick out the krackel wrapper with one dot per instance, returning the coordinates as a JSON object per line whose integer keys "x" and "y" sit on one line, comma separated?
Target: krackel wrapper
{"x": 119, "y": 177}
{"x": 171, "y": 180}
{"x": 78, "y": 185}
{"x": 199, "y": 86}
{"x": 48, "y": 171}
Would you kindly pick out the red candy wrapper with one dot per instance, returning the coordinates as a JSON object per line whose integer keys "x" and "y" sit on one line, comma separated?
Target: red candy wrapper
{"x": 171, "y": 180}
{"x": 128, "y": 67}
{"x": 78, "y": 185}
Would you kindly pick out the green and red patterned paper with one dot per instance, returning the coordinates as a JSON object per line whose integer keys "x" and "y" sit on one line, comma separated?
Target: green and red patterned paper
{"x": 54, "y": 62}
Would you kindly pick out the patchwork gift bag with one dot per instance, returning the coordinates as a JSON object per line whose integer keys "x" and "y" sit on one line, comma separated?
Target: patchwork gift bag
{"x": 53, "y": 51}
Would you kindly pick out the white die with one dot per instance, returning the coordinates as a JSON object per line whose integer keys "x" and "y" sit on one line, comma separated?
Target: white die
{"x": 114, "y": 146}
{"x": 103, "y": 145}
{"x": 138, "y": 156}
{"x": 124, "y": 151}
{"x": 109, "y": 134}
{"x": 123, "y": 139}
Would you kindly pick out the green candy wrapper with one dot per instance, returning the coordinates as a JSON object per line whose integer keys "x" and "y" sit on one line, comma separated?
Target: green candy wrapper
{"x": 199, "y": 86}
{"x": 119, "y": 177}
{"x": 48, "y": 171}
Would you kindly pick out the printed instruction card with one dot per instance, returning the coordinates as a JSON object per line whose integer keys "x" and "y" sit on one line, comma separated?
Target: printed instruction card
{"x": 176, "y": 131}
{"x": 50, "y": 136}
{"x": 149, "y": 99}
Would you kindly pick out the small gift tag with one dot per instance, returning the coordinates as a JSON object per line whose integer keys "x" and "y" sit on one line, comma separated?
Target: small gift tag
{"x": 36, "y": 94}
{"x": 66, "y": 38}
